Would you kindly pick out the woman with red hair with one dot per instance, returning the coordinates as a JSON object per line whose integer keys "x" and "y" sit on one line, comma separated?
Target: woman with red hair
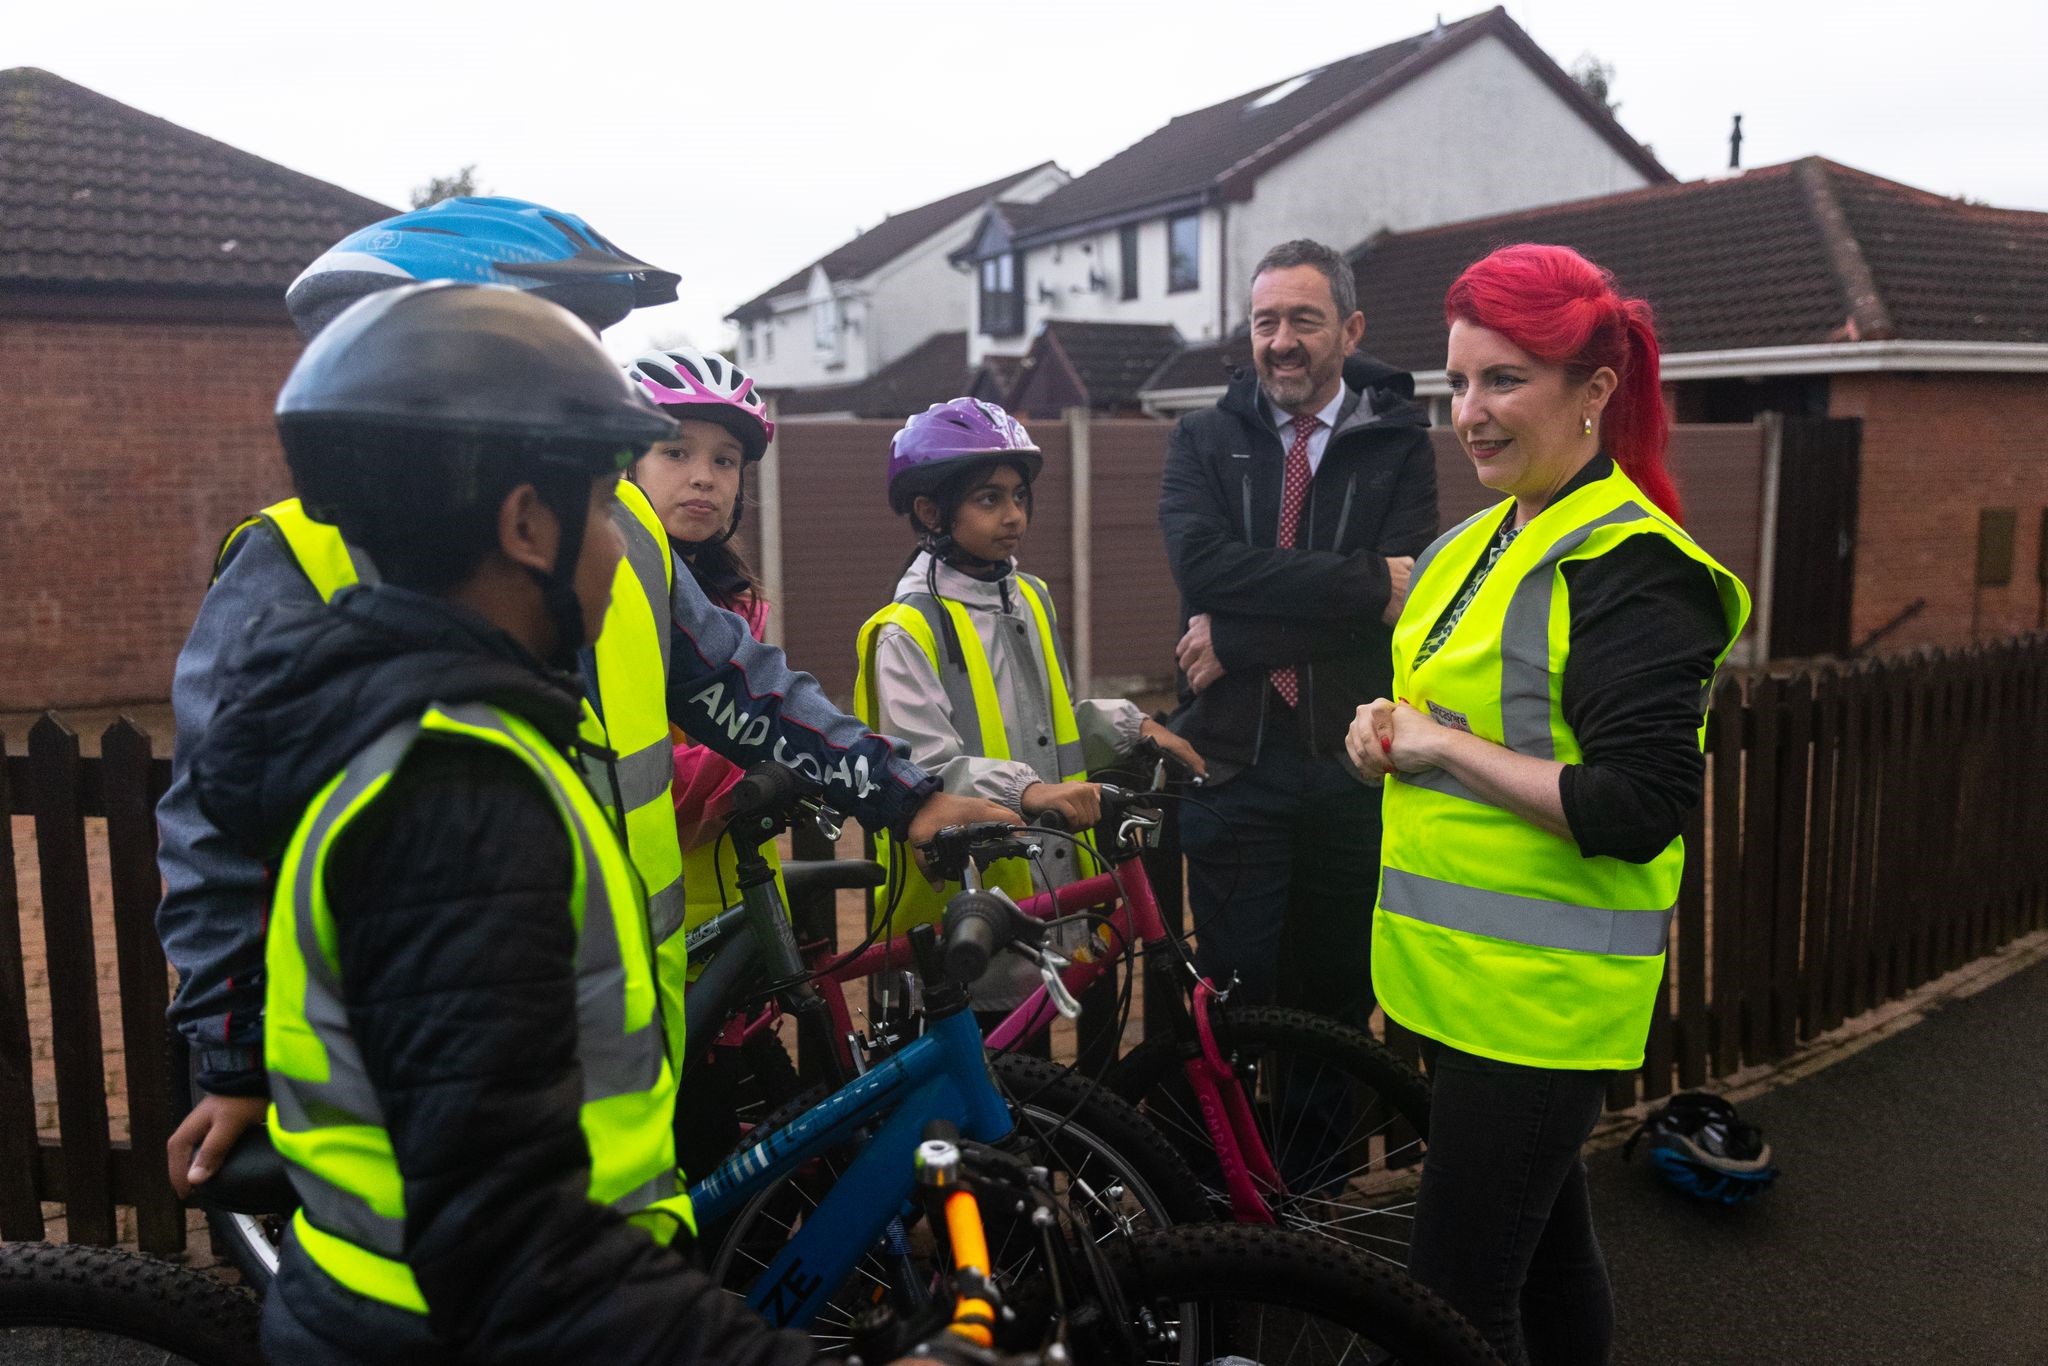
{"x": 1541, "y": 756}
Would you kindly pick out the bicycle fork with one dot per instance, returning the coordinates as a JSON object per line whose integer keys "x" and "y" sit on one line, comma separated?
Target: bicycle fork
{"x": 1240, "y": 1151}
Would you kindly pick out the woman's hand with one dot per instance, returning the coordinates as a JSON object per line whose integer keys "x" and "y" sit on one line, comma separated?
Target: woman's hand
{"x": 1370, "y": 740}
{"x": 1079, "y": 804}
{"x": 1174, "y": 745}
{"x": 1391, "y": 737}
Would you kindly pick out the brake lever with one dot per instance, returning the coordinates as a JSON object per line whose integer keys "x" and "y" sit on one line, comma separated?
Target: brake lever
{"x": 826, "y": 821}
{"x": 1055, "y": 986}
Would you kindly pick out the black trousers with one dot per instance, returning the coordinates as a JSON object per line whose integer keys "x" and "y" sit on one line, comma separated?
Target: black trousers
{"x": 1283, "y": 871}
{"x": 1503, "y": 1225}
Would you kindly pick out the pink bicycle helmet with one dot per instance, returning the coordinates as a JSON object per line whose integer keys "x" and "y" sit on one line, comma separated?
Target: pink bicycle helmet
{"x": 691, "y": 385}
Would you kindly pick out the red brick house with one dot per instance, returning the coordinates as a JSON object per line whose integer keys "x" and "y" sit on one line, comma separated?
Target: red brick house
{"x": 143, "y": 338}
{"x": 1897, "y": 338}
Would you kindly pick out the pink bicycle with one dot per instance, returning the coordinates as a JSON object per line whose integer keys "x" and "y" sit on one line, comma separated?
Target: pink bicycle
{"x": 1288, "y": 1117}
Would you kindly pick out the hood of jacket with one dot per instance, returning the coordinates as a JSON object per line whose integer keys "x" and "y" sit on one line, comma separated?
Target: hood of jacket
{"x": 317, "y": 682}
{"x": 1389, "y": 392}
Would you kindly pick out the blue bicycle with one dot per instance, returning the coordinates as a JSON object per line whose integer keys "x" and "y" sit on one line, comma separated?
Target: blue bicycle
{"x": 818, "y": 1212}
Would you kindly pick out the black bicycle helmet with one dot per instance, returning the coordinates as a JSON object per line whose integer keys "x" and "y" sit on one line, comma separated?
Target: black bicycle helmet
{"x": 423, "y": 403}
{"x": 1698, "y": 1144}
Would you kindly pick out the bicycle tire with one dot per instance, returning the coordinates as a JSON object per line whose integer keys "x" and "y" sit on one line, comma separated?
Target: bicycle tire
{"x": 64, "y": 1302}
{"x": 1153, "y": 1177}
{"x": 1279, "y": 1053}
{"x": 1226, "y": 1290}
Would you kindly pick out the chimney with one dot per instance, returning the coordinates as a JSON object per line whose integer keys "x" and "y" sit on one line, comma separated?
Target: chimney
{"x": 1735, "y": 145}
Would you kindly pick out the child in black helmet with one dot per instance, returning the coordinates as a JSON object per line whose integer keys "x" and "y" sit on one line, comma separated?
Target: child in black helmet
{"x": 469, "y": 1079}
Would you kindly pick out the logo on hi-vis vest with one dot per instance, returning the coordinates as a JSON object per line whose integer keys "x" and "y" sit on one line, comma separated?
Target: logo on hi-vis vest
{"x": 752, "y": 730}
{"x": 1446, "y": 717}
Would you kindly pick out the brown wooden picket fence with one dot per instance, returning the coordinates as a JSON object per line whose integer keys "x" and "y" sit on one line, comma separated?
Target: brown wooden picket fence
{"x": 1867, "y": 827}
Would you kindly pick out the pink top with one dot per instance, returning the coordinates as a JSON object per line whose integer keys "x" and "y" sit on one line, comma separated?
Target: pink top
{"x": 704, "y": 776}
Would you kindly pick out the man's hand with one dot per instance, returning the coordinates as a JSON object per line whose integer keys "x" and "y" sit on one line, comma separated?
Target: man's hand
{"x": 1174, "y": 745}
{"x": 1079, "y": 804}
{"x": 942, "y": 809}
{"x": 1197, "y": 655}
{"x": 202, "y": 1143}
{"x": 1400, "y": 570}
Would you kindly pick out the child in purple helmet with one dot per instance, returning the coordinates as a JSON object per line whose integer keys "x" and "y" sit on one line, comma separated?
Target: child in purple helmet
{"x": 967, "y": 626}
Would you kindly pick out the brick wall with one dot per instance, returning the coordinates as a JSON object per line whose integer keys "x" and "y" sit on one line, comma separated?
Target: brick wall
{"x": 1936, "y": 450}
{"x": 126, "y": 451}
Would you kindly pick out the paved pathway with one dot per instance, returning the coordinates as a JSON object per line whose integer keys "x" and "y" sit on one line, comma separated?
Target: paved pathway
{"x": 1911, "y": 1223}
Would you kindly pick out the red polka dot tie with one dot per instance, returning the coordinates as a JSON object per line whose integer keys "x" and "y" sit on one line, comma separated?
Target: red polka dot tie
{"x": 1293, "y": 492}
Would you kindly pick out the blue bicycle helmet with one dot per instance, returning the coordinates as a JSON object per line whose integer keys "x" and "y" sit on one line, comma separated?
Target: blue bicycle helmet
{"x": 1699, "y": 1145}
{"x": 480, "y": 240}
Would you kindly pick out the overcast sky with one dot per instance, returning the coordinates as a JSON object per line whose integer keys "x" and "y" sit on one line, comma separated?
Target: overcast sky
{"x": 735, "y": 142}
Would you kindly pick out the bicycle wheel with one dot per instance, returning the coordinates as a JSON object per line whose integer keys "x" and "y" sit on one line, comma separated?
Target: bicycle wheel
{"x": 1099, "y": 1149}
{"x": 1341, "y": 1117}
{"x": 250, "y": 1243}
{"x": 63, "y": 1304}
{"x": 1284, "y": 1297}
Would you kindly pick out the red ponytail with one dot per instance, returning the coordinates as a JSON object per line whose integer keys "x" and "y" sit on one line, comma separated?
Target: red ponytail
{"x": 1561, "y": 308}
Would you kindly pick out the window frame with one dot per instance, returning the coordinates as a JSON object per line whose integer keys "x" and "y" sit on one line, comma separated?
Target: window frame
{"x": 1176, "y": 282}
{"x": 1127, "y": 262}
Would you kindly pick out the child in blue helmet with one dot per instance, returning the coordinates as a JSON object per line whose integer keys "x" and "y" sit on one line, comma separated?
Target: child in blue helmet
{"x": 968, "y": 625}
{"x": 211, "y": 920}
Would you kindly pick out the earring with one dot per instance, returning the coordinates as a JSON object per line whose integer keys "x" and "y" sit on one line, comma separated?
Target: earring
{"x": 1589, "y": 426}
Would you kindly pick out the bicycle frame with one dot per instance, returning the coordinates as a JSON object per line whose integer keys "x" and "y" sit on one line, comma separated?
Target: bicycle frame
{"x": 1241, "y": 1154}
{"x": 941, "y": 1075}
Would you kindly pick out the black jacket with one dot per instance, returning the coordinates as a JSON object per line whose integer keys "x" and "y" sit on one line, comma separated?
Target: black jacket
{"x": 456, "y": 950}
{"x": 1316, "y": 606}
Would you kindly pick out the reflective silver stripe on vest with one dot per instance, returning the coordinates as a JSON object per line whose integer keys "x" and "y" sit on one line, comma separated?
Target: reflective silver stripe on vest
{"x": 953, "y": 678}
{"x": 645, "y": 774}
{"x": 1523, "y": 919}
{"x": 346, "y": 1098}
{"x": 1437, "y": 780}
{"x": 1525, "y": 642}
{"x": 666, "y": 910}
{"x": 1437, "y": 545}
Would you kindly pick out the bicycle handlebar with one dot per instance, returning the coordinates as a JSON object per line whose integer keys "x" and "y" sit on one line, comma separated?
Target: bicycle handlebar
{"x": 978, "y": 926}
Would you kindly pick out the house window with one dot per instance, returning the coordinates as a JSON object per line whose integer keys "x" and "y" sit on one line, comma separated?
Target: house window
{"x": 825, "y": 324}
{"x": 1127, "y": 249}
{"x": 1002, "y": 296}
{"x": 768, "y": 341}
{"x": 750, "y": 341}
{"x": 1183, "y": 253}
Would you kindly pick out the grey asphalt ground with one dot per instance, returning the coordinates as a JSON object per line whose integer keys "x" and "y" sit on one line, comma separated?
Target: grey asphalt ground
{"x": 1910, "y": 1225}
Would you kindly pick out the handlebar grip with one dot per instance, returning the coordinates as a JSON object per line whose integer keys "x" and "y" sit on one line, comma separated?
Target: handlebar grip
{"x": 1052, "y": 818}
{"x": 766, "y": 787}
{"x": 974, "y": 931}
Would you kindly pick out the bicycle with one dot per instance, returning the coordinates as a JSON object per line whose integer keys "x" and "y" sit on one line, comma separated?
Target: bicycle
{"x": 63, "y": 1303}
{"x": 1218, "y": 1293}
{"x": 1288, "y": 1117}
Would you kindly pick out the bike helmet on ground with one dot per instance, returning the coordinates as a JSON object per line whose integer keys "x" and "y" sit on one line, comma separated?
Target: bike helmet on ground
{"x": 707, "y": 387}
{"x": 407, "y": 421}
{"x": 1699, "y": 1145}
{"x": 480, "y": 240}
{"x": 938, "y": 444}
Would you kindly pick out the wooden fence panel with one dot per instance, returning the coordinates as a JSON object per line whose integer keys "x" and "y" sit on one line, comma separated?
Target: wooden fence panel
{"x": 1726, "y": 731}
{"x": 74, "y": 984}
{"x": 21, "y": 1212}
{"x": 1795, "y": 705}
{"x": 130, "y": 800}
{"x": 1690, "y": 934}
{"x": 1759, "y": 863}
{"x": 1827, "y": 696}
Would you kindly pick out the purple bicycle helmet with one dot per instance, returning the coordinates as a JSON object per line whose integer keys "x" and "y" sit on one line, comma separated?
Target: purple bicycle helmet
{"x": 949, "y": 437}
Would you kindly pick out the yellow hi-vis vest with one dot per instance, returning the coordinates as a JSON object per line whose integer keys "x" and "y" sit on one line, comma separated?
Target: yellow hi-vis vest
{"x": 325, "y": 1117}
{"x": 1492, "y": 935}
{"x": 977, "y": 712}
{"x": 632, "y": 675}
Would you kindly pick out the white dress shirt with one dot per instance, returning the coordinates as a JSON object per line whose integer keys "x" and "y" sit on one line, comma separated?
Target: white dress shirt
{"x": 1283, "y": 423}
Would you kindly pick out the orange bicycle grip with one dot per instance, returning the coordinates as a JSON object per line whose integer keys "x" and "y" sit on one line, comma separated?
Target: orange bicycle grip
{"x": 973, "y": 1317}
